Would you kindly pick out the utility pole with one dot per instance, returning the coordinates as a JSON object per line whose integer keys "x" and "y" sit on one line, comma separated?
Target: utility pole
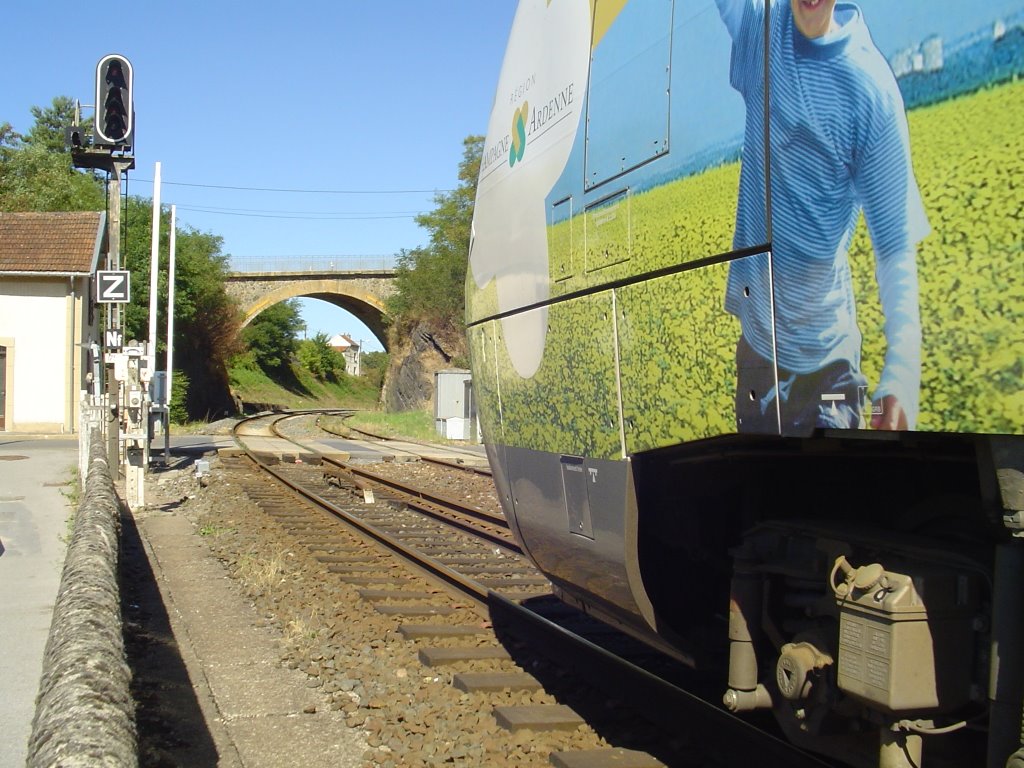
{"x": 119, "y": 165}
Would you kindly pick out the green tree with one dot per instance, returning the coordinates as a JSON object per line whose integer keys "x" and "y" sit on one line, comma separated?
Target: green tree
{"x": 206, "y": 320}
{"x": 373, "y": 366}
{"x": 430, "y": 280}
{"x": 9, "y": 138}
{"x": 34, "y": 179}
{"x": 272, "y": 336}
{"x": 48, "y": 131}
{"x": 36, "y": 172}
{"x": 320, "y": 359}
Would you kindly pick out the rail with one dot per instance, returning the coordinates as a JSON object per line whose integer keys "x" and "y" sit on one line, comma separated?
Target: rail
{"x": 467, "y": 587}
{"x": 383, "y": 438}
{"x": 561, "y": 635}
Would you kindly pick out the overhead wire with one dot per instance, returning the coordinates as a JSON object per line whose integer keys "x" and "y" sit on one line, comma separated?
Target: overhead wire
{"x": 302, "y": 191}
{"x": 304, "y": 215}
{"x": 300, "y": 215}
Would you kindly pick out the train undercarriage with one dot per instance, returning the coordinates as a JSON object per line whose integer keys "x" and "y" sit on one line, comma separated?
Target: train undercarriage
{"x": 865, "y": 590}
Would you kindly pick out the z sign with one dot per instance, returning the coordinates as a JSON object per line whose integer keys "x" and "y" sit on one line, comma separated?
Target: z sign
{"x": 112, "y": 287}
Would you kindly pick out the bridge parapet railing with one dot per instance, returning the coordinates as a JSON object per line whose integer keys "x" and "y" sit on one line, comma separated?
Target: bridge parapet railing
{"x": 318, "y": 264}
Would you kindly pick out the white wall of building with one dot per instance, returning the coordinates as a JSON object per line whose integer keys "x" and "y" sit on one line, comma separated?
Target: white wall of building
{"x": 40, "y": 323}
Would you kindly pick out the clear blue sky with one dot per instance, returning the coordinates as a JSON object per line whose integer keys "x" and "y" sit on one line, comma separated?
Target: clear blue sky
{"x": 370, "y": 99}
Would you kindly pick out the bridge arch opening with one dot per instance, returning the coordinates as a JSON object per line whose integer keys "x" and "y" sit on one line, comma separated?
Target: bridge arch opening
{"x": 362, "y": 296}
{"x": 369, "y": 315}
{"x": 332, "y": 317}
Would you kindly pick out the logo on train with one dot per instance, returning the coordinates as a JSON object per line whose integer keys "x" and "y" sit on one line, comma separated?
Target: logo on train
{"x": 527, "y": 123}
{"x": 518, "y": 147}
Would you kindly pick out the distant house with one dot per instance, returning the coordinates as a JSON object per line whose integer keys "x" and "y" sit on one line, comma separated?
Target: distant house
{"x": 343, "y": 343}
{"x": 47, "y": 316}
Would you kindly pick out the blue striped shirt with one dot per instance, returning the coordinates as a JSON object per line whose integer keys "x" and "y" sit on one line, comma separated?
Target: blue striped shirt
{"x": 839, "y": 146}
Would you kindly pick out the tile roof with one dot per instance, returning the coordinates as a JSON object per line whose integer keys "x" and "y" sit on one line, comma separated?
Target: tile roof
{"x": 51, "y": 242}
{"x": 342, "y": 341}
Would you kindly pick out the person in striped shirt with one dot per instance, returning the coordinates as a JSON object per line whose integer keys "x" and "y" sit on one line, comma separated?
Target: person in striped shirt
{"x": 838, "y": 145}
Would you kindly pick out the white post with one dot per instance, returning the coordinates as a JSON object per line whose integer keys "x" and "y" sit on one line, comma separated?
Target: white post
{"x": 154, "y": 274}
{"x": 170, "y": 335}
{"x": 154, "y": 265}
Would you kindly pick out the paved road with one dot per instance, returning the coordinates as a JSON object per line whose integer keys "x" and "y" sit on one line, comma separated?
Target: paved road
{"x": 33, "y": 515}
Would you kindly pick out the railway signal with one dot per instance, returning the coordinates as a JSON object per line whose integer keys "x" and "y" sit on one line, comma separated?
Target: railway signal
{"x": 115, "y": 117}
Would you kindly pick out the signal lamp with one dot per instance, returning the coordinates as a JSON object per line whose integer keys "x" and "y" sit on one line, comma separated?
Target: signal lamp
{"x": 115, "y": 115}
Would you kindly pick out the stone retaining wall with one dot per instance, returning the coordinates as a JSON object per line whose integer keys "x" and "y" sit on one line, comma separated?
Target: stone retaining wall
{"x": 85, "y": 713}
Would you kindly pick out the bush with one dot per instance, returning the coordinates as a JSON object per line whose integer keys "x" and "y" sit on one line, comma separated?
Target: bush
{"x": 179, "y": 394}
{"x": 320, "y": 359}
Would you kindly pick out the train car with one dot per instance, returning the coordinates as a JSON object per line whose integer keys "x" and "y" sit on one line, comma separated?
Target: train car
{"x": 745, "y": 304}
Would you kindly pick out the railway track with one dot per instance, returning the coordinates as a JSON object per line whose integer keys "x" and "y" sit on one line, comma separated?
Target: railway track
{"x": 459, "y": 460}
{"x": 454, "y": 580}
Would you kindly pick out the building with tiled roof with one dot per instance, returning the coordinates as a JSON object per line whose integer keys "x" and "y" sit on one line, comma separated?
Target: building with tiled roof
{"x": 48, "y": 316}
{"x": 349, "y": 349}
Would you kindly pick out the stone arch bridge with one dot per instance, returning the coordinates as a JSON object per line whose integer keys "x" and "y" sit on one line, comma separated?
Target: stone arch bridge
{"x": 357, "y": 286}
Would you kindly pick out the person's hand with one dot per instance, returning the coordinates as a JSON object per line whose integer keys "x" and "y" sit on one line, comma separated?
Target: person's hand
{"x": 892, "y": 417}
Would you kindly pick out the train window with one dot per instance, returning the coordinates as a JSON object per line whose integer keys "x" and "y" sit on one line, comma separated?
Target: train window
{"x": 564, "y": 240}
{"x": 628, "y": 100}
{"x": 608, "y": 231}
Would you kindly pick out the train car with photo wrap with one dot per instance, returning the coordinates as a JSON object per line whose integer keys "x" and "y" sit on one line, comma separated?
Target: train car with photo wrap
{"x": 746, "y": 315}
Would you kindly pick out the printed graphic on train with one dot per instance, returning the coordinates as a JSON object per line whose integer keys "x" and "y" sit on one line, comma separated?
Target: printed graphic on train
{"x": 887, "y": 189}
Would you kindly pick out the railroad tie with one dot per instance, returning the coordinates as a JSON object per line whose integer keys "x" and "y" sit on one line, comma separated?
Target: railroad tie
{"x": 325, "y": 557}
{"x": 538, "y": 717}
{"x": 420, "y": 631}
{"x": 442, "y": 549}
{"x": 512, "y": 567}
{"x": 478, "y": 561}
{"x": 495, "y": 681}
{"x": 373, "y": 595}
{"x": 612, "y": 757}
{"x": 517, "y": 581}
{"x": 345, "y": 568}
{"x": 372, "y": 581}
{"x": 438, "y": 657}
{"x": 329, "y": 544}
{"x": 416, "y": 609}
